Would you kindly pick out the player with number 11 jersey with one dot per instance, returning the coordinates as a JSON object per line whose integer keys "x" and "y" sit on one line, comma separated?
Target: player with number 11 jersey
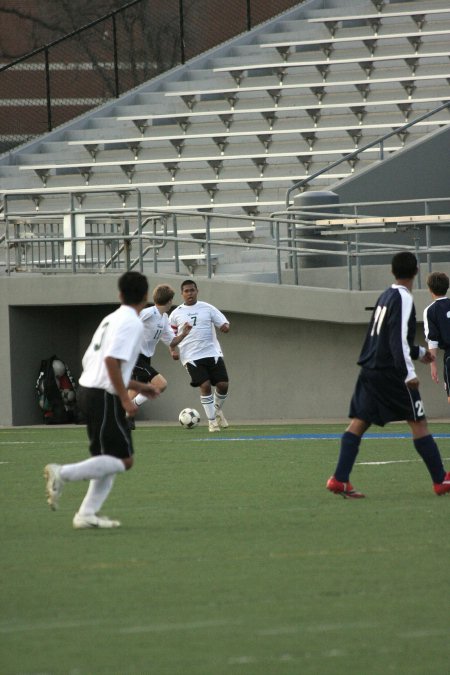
{"x": 389, "y": 341}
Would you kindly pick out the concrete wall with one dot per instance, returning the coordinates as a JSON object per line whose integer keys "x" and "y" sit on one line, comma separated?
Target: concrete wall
{"x": 291, "y": 352}
{"x": 421, "y": 171}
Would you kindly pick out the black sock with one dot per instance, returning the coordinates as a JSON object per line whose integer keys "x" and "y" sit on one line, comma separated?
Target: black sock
{"x": 429, "y": 451}
{"x": 349, "y": 450}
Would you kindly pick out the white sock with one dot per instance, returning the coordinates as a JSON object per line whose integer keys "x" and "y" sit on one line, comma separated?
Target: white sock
{"x": 96, "y": 495}
{"x": 208, "y": 406}
{"x": 92, "y": 468}
{"x": 219, "y": 400}
{"x": 140, "y": 399}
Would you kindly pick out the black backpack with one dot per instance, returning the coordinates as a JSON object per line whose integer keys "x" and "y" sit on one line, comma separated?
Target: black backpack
{"x": 56, "y": 391}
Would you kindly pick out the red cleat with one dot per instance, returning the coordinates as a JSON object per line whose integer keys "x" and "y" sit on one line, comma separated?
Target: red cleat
{"x": 444, "y": 487}
{"x": 347, "y": 490}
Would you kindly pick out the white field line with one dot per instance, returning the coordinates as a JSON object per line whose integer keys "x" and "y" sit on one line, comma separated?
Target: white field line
{"x": 151, "y": 628}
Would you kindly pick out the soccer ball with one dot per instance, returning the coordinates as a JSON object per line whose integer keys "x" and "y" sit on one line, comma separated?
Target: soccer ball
{"x": 189, "y": 418}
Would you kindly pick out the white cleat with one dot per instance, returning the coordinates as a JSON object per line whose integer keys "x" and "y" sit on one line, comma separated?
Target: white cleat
{"x": 81, "y": 522}
{"x": 220, "y": 419}
{"x": 213, "y": 426}
{"x": 54, "y": 484}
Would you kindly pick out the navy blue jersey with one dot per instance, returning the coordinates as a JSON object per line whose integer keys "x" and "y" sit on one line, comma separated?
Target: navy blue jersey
{"x": 436, "y": 324}
{"x": 390, "y": 338}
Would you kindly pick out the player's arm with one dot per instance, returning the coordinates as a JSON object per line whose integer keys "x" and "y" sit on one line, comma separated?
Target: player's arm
{"x": 433, "y": 365}
{"x": 180, "y": 336}
{"x": 403, "y": 353}
{"x": 219, "y": 320}
{"x": 173, "y": 350}
{"x": 145, "y": 388}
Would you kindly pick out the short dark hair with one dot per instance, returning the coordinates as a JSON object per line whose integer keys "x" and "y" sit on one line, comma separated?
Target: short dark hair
{"x": 188, "y": 282}
{"x": 438, "y": 283}
{"x": 404, "y": 265}
{"x": 163, "y": 294}
{"x": 133, "y": 287}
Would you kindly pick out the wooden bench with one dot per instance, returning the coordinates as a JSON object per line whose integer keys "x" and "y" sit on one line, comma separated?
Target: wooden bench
{"x": 377, "y": 220}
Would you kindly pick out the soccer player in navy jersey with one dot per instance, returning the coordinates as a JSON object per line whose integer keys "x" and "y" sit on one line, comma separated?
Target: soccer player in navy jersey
{"x": 387, "y": 388}
{"x": 436, "y": 323}
{"x": 103, "y": 398}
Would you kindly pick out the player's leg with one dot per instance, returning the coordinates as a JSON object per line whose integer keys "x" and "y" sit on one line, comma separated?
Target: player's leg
{"x": 207, "y": 401}
{"x": 199, "y": 372}
{"x": 427, "y": 448}
{"x": 339, "y": 483}
{"x": 362, "y": 409}
{"x": 112, "y": 452}
{"x": 109, "y": 435}
{"x": 142, "y": 372}
{"x": 219, "y": 378}
{"x": 155, "y": 378}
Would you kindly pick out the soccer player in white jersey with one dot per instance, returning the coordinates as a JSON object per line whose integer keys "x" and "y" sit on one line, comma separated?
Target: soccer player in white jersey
{"x": 200, "y": 351}
{"x": 156, "y": 327}
{"x": 104, "y": 400}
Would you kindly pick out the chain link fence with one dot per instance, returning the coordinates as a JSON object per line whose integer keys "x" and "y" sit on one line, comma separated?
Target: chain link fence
{"x": 110, "y": 56}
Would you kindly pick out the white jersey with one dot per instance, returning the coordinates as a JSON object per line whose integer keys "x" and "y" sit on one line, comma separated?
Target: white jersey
{"x": 119, "y": 335}
{"x": 202, "y": 341}
{"x": 156, "y": 327}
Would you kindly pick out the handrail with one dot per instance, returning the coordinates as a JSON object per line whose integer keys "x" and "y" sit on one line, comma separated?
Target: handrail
{"x": 133, "y": 247}
{"x": 355, "y": 153}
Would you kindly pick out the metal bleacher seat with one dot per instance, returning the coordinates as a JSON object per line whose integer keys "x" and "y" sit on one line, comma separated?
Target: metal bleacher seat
{"x": 236, "y": 130}
{"x": 376, "y": 20}
{"x": 366, "y": 63}
{"x": 328, "y": 45}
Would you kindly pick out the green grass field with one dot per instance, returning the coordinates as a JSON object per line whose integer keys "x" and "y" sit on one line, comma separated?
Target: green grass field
{"x": 232, "y": 558}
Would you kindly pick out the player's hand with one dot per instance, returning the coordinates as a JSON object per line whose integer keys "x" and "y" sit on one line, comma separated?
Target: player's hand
{"x": 434, "y": 372}
{"x": 129, "y": 407}
{"x": 428, "y": 357}
{"x": 413, "y": 384}
{"x": 175, "y": 355}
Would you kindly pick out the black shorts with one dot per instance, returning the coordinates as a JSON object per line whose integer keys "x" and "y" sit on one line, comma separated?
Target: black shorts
{"x": 203, "y": 370}
{"x": 381, "y": 396}
{"x": 107, "y": 429}
{"x": 143, "y": 370}
{"x": 447, "y": 372}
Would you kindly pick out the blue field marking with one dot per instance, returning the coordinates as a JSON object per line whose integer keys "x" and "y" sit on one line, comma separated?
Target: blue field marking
{"x": 314, "y": 437}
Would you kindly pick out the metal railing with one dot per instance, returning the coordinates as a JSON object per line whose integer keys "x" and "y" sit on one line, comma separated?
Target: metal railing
{"x": 109, "y": 56}
{"x": 76, "y": 240}
{"x": 300, "y": 185}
